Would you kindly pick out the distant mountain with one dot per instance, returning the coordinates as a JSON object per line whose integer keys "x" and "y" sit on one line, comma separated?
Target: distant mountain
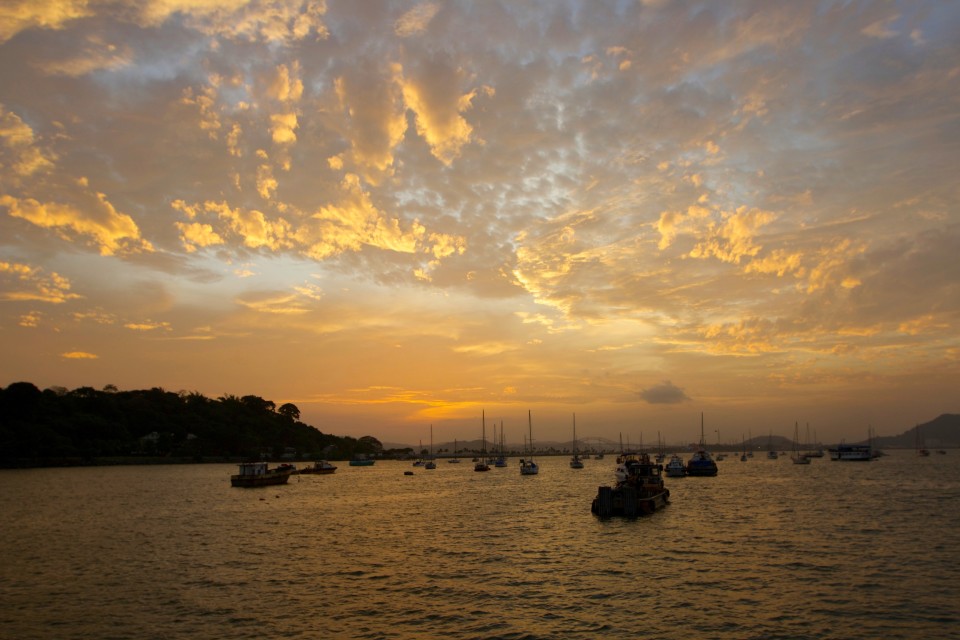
{"x": 940, "y": 433}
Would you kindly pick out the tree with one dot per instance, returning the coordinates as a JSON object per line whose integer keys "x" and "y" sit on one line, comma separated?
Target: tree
{"x": 289, "y": 410}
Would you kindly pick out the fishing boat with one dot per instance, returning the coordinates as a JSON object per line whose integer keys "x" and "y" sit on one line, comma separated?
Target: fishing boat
{"x": 796, "y": 456}
{"x": 640, "y": 492}
{"x": 701, "y": 462}
{"x": 257, "y": 474}
{"x": 320, "y": 467}
{"x": 575, "y": 461}
{"x": 675, "y": 468}
{"x": 361, "y": 460}
{"x": 528, "y": 467}
{"x": 481, "y": 462}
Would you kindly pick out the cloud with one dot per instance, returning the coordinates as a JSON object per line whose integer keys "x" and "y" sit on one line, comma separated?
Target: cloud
{"x": 664, "y": 393}
{"x": 275, "y": 21}
{"x": 21, "y": 15}
{"x": 416, "y": 20}
{"x": 20, "y": 157}
{"x": 79, "y": 355}
{"x": 22, "y": 282}
{"x": 431, "y": 91}
{"x": 375, "y": 120}
{"x": 111, "y": 232}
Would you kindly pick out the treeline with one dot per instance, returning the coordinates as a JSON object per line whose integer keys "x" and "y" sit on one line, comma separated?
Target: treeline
{"x": 57, "y": 426}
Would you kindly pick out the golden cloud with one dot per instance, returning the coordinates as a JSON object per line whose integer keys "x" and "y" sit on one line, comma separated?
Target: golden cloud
{"x": 196, "y": 234}
{"x": 733, "y": 240}
{"x": 286, "y": 85}
{"x": 30, "y": 283}
{"x": 147, "y": 326}
{"x": 280, "y": 21}
{"x": 438, "y": 117}
{"x": 79, "y": 355}
{"x": 283, "y": 128}
{"x": 18, "y": 153}
{"x": 375, "y": 120}
{"x": 113, "y": 232}
{"x": 21, "y": 15}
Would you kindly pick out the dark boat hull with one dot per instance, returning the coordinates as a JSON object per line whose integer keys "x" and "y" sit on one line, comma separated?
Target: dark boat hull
{"x": 628, "y": 502}
{"x": 266, "y": 480}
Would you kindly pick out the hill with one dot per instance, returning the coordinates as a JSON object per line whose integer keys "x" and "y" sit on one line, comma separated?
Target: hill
{"x": 83, "y": 426}
{"x": 943, "y": 432}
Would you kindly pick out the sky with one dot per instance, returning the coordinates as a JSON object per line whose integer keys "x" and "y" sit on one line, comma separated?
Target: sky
{"x": 403, "y": 214}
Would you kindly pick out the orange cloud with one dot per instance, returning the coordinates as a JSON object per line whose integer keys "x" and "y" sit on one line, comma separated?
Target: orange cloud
{"x": 113, "y": 232}
{"x": 19, "y": 155}
{"x": 23, "y": 282}
{"x": 79, "y": 355}
{"x": 21, "y": 15}
{"x": 439, "y": 112}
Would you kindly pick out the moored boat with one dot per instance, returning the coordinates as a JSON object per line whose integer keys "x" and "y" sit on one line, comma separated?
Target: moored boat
{"x": 362, "y": 460}
{"x": 641, "y": 491}
{"x": 320, "y": 467}
{"x": 258, "y": 474}
{"x": 481, "y": 461}
{"x": 852, "y": 453}
{"x": 675, "y": 468}
{"x": 528, "y": 466}
{"x": 701, "y": 462}
{"x": 575, "y": 461}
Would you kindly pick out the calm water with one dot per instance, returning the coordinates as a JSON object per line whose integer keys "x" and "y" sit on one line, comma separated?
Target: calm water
{"x": 767, "y": 549}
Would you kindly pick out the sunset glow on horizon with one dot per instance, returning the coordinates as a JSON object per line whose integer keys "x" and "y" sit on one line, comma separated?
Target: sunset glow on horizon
{"x": 400, "y": 214}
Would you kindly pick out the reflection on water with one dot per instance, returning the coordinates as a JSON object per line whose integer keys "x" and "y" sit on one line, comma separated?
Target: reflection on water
{"x": 767, "y": 549}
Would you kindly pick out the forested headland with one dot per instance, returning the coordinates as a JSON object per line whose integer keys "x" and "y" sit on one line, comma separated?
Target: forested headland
{"x": 57, "y": 426}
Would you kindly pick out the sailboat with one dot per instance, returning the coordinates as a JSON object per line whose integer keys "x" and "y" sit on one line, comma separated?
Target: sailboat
{"x": 771, "y": 453}
{"x": 454, "y": 459}
{"x": 431, "y": 463}
{"x": 743, "y": 456}
{"x": 527, "y": 465}
{"x": 575, "y": 461}
{"x": 701, "y": 462}
{"x": 501, "y": 460}
{"x": 419, "y": 461}
{"x": 797, "y": 457}
{"x": 481, "y": 464}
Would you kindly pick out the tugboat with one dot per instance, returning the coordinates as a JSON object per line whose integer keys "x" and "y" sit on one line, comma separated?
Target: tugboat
{"x": 640, "y": 492}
